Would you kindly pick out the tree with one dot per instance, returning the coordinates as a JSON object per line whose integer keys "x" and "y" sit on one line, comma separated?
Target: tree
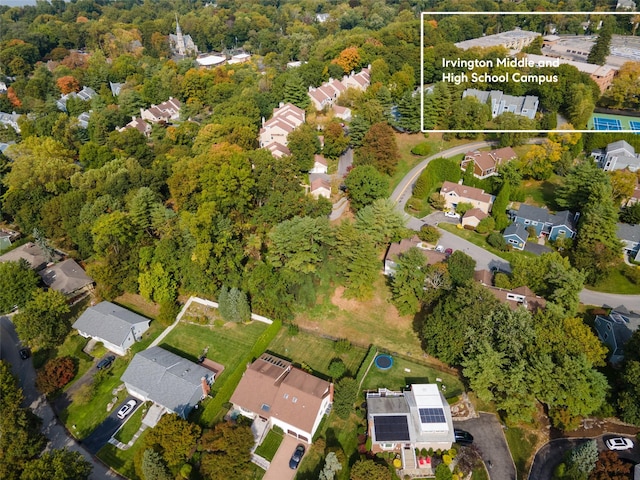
{"x": 369, "y": 470}
{"x": 228, "y": 451}
{"x": 335, "y": 140}
{"x": 580, "y": 185}
{"x": 153, "y": 467}
{"x": 500, "y": 204}
{"x": 486, "y": 225}
{"x": 337, "y": 369}
{"x": 174, "y": 438}
{"x": 379, "y": 149}
{"x": 303, "y": 143}
{"x": 583, "y": 458}
{"x": 631, "y": 214}
{"x": 409, "y": 111}
{"x": 55, "y": 374}
{"x": 629, "y": 395}
{"x": 357, "y": 130}
{"x": 356, "y": 260}
{"x": 429, "y": 233}
{"x": 623, "y": 183}
{"x": 381, "y": 221}
{"x": 295, "y": 91}
{"x": 364, "y": 185}
{"x": 461, "y": 267}
{"x": 610, "y": 467}
{"x": 43, "y": 322}
{"x": 331, "y": 467}
{"x": 68, "y": 84}
{"x": 348, "y": 59}
{"x": 580, "y": 103}
{"x": 346, "y": 394}
{"x": 468, "y": 114}
{"x": 600, "y": 50}
{"x": 233, "y": 305}
{"x": 407, "y": 283}
{"x": 17, "y": 284}
{"x": 59, "y": 464}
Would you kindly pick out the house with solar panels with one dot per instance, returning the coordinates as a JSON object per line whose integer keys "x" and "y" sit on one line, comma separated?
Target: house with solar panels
{"x": 403, "y": 421}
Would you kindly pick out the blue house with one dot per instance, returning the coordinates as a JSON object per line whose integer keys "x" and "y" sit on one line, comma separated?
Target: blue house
{"x": 516, "y": 236}
{"x": 615, "y": 329}
{"x": 550, "y": 225}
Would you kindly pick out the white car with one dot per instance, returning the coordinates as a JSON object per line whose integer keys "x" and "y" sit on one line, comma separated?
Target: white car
{"x": 452, "y": 214}
{"x": 126, "y": 409}
{"x": 619, "y": 443}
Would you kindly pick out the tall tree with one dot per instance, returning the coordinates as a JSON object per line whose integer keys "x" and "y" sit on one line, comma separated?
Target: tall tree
{"x": 17, "y": 284}
{"x": 43, "y": 322}
{"x": 365, "y": 185}
{"x": 59, "y": 464}
{"x": 153, "y": 467}
{"x": 356, "y": 260}
{"x": 407, "y": 283}
{"x": 174, "y": 438}
{"x": 295, "y": 91}
{"x": 379, "y": 149}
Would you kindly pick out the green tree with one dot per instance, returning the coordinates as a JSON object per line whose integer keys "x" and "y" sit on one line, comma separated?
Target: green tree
{"x": 337, "y": 369}
{"x": 303, "y": 143}
{"x": 331, "y": 467}
{"x": 356, "y": 260}
{"x": 365, "y": 185}
{"x": 486, "y": 225}
{"x": 629, "y": 395}
{"x": 468, "y": 114}
{"x": 43, "y": 322}
{"x": 429, "y": 233}
{"x": 228, "y": 451}
{"x": 59, "y": 464}
{"x": 174, "y": 438}
{"x": 409, "y": 111}
{"x": 580, "y": 105}
{"x": 153, "y": 467}
{"x": 357, "y": 130}
{"x": 233, "y": 305}
{"x": 583, "y": 457}
{"x": 17, "y": 284}
{"x": 407, "y": 283}
{"x": 346, "y": 394}
{"x": 379, "y": 149}
{"x": 335, "y": 140}
{"x": 600, "y": 50}
{"x": 295, "y": 91}
{"x": 369, "y": 470}
{"x": 461, "y": 267}
{"x": 381, "y": 221}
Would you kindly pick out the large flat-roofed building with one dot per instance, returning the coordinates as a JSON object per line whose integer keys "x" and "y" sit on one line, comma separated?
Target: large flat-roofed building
{"x": 624, "y": 48}
{"x": 512, "y": 40}
{"x": 525, "y": 106}
{"x": 601, "y": 74}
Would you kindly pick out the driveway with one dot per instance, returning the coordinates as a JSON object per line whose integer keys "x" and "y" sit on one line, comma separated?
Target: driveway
{"x": 103, "y": 432}
{"x": 552, "y": 454}
{"x": 490, "y": 440}
{"x": 344, "y": 162}
{"x": 279, "y": 468}
{"x": 51, "y": 427}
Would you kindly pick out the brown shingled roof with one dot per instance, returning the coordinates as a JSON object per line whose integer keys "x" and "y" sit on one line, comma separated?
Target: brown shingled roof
{"x": 464, "y": 191}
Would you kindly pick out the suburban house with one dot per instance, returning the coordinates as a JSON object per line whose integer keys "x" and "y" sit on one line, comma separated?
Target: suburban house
{"x": 516, "y": 236}
{"x": 168, "y": 380}
{"x": 85, "y": 95}
{"x": 343, "y": 113}
{"x": 116, "y": 327}
{"x": 629, "y": 235}
{"x": 397, "y": 249}
{"x": 32, "y": 253}
{"x": 320, "y": 164}
{"x": 455, "y": 193}
{"x": 486, "y": 164}
{"x": 517, "y": 297}
{"x": 629, "y": 5}
{"x": 66, "y": 277}
{"x": 320, "y": 186}
{"x": 165, "y": 112}
{"x": 524, "y": 106}
{"x": 413, "y": 419}
{"x": 277, "y": 150}
{"x": 10, "y": 120}
{"x": 550, "y": 225}
{"x": 327, "y": 94}
{"x": 617, "y": 156}
{"x": 139, "y": 124}
{"x": 115, "y": 87}
{"x": 615, "y": 329}
{"x": 274, "y": 392}
{"x": 285, "y": 119}
{"x": 471, "y": 218}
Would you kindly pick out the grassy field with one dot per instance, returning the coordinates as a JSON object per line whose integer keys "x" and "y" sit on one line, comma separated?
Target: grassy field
{"x": 314, "y": 351}
{"x": 522, "y": 447}
{"x": 542, "y": 192}
{"x": 617, "y": 282}
{"x": 270, "y": 444}
{"x": 397, "y": 377}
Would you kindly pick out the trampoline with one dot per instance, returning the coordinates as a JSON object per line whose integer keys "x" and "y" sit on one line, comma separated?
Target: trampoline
{"x": 384, "y": 361}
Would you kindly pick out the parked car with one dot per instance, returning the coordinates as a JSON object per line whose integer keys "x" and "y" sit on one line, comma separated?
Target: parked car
{"x": 462, "y": 437}
{"x": 296, "y": 457}
{"x": 24, "y": 353}
{"x": 448, "y": 251}
{"x": 440, "y": 248}
{"x": 452, "y": 214}
{"x": 106, "y": 362}
{"x": 126, "y": 409}
{"x": 619, "y": 443}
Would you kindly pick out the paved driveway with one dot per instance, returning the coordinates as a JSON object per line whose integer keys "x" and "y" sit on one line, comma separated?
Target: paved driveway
{"x": 103, "y": 432}
{"x": 279, "y": 468}
{"x": 489, "y": 438}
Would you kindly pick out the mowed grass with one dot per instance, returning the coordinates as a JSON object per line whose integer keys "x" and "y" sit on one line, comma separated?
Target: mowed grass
{"x": 541, "y": 192}
{"x": 270, "y": 444}
{"x": 522, "y": 446}
{"x": 397, "y": 377}
{"x": 133, "y": 424}
{"x": 617, "y": 282}
{"x": 314, "y": 351}
{"x": 122, "y": 460}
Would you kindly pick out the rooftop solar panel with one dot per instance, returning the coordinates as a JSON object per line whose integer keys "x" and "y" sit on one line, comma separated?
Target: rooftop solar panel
{"x": 432, "y": 415}
{"x": 391, "y": 428}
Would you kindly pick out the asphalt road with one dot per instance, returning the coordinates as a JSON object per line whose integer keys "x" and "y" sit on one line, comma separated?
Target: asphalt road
{"x": 490, "y": 440}
{"x": 552, "y": 454}
{"x": 103, "y": 432}
{"x": 51, "y": 427}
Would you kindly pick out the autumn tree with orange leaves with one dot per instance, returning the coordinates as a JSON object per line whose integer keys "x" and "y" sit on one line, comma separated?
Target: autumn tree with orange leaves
{"x": 68, "y": 84}
{"x": 348, "y": 59}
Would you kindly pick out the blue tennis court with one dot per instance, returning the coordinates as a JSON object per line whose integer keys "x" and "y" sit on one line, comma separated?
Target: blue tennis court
{"x": 635, "y": 126}
{"x": 600, "y": 123}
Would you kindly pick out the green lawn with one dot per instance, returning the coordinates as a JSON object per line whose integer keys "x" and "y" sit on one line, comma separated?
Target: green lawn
{"x": 132, "y": 425}
{"x": 479, "y": 473}
{"x": 480, "y": 240}
{"x": 314, "y": 351}
{"x": 617, "y": 282}
{"x": 522, "y": 447}
{"x": 397, "y": 377}
{"x": 270, "y": 444}
{"x": 122, "y": 460}
{"x": 542, "y": 192}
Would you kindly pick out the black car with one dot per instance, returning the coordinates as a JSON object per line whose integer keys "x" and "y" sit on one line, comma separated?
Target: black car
{"x": 24, "y": 353}
{"x": 296, "y": 457}
{"x": 462, "y": 437}
{"x": 106, "y": 362}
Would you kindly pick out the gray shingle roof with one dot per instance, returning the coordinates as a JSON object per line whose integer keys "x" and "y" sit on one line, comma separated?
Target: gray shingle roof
{"x": 517, "y": 229}
{"x": 543, "y": 215}
{"x": 108, "y": 321}
{"x": 166, "y": 378}
{"x": 65, "y": 277}
{"x": 628, "y": 232}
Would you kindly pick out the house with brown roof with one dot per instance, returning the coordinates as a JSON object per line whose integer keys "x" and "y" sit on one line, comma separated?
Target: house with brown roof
{"x": 327, "y": 94}
{"x": 285, "y": 119}
{"x": 320, "y": 164}
{"x": 320, "y": 186}
{"x": 485, "y": 164}
{"x": 472, "y": 217}
{"x": 139, "y": 124}
{"x": 277, "y": 150}
{"x": 165, "y": 112}
{"x": 518, "y": 297}
{"x": 454, "y": 193}
{"x": 275, "y": 391}
{"x": 33, "y": 254}
{"x": 396, "y": 250}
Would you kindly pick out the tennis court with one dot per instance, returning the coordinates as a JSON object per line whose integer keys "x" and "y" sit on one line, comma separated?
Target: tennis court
{"x": 604, "y": 122}
{"x": 635, "y": 126}
{"x": 600, "y": 123}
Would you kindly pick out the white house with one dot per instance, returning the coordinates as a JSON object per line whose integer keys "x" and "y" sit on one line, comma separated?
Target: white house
{"x": 320, "y": 164}
{"x": 116, "y": 327}
{"x": 165, "y": 112}
{"x": 617, "y": 156}
{"x": 286, "y": 118}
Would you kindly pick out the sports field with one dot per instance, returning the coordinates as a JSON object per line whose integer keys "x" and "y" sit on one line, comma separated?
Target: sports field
{"x": 613, "y": 123}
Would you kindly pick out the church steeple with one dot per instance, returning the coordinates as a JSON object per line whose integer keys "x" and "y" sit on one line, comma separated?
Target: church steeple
{"x": 179, "y": 39}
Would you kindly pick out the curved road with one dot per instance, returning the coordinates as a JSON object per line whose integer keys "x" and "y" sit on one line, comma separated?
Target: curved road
{"x": 485, "y": 259}
{"x": 51, "y": 427}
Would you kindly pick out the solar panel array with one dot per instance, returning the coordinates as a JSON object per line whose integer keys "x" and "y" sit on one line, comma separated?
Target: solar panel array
{"x": 391, "y": 428}
{"x": 432, "y": 415}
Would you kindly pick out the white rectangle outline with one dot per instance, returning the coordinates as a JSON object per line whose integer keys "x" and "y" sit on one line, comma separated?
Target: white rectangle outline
{"x": 422, "y": 130}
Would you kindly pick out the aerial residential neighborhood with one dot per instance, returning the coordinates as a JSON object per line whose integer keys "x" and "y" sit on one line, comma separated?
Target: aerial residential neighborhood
{"x": 319, "y": 240}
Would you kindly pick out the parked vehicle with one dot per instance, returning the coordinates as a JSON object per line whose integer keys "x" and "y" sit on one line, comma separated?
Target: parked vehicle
{"x": 440, "y": 248}
{"x": 296, "y": 457}
{"x": 126, "y": 409}
{"x": 106, "y": 362}
{"x": 619, "y": 443}
{"x": 448, "y": 251}
{"x": 452, "y": 214}
{"x": 462, "y": 437}
{"x": 24, "y": 353}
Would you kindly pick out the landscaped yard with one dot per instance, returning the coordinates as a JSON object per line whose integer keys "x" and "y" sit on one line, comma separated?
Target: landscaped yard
{"x": 270, "y": 444}
{"x": 122, "y": 460}
{"x": 541, "y": 192}
{"x": 133, "y": 424}
{"x": 314, "y": 351}
{"x": 617, "y": 282}
{"x": 522, "y": 445}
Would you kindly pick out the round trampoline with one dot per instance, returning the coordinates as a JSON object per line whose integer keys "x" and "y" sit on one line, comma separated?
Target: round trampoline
{"x": 384, "y": 361}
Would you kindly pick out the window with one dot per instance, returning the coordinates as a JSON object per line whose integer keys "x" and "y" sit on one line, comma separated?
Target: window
{"x": 294, "y": 399}
{"x": 286, "y": 395}
{"x": 265, "y": 407}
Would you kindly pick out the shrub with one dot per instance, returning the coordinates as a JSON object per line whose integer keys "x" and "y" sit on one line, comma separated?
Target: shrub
{"x": 422, "y": 149}
{"x": 185, "y": 470}
{"x": 293, "y": 329}
{"x": 346, "y": 393}
{"x": 424, "y": 452}
{"x": 55, "y": 374}
{"x": 463, "y": 207}
{"x": 337, "y": 369}
{"x": 342, "y": 346}
{"x": 486, "y": 225}
{"x": 518, "y": 195}
{"x": 502, "y": 280}
{"x": 436, "y": 201}
{"x": 446, "y": 459}
{"x": 429, "y": 233}
{"x": 496, "y": 240}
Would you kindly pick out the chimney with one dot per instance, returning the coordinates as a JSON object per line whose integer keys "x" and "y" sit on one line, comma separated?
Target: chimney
{"x": 281, "y": 104}
{"x": 331, "y": 392}
{"x": 263, "y": 121}
{"x": 205, "y": 387}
